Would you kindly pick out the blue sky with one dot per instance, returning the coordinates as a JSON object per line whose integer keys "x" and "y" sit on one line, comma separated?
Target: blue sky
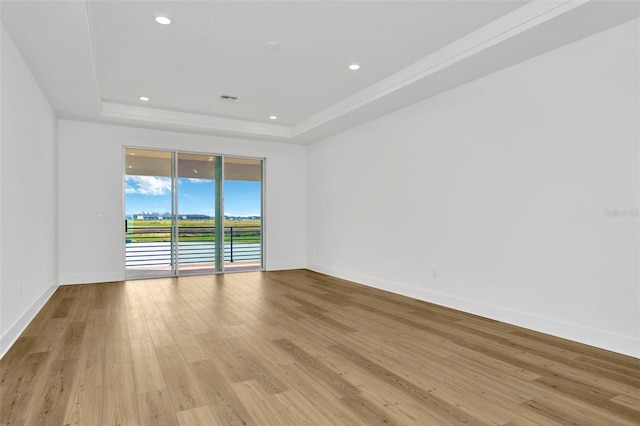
{"x": 195, "y": 196}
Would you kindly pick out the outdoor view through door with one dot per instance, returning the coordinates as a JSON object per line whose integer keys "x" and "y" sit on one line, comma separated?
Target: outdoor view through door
{"x": 174, "y": 202}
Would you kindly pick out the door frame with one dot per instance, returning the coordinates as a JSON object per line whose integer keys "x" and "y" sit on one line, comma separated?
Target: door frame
{"x": 219, "y": 210}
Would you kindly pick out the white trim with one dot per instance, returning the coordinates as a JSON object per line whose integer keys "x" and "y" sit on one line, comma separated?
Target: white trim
{"x": 13, "y": 333}
{"x": 91, "y": 278}
{"x": 627, "y": 345}
{"x": 504, "y": 28}
{"x": 193, "y": 121}
{"x": 284, "y": 266}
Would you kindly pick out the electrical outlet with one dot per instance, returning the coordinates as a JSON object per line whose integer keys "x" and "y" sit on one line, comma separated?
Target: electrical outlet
{"x": 20, "y": 289}
{"x": 435, "y": 274}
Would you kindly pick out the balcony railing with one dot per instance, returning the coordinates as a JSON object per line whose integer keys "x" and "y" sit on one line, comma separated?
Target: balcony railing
{"x": 151, "y": 245}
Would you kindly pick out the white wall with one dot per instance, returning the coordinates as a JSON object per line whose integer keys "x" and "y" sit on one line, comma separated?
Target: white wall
{"x": 28, "y": 218}
{"x": 491, "y": 198}
{"x": 91, "y": 195}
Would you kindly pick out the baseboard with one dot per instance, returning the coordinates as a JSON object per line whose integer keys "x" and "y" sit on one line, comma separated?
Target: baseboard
{"x": 284, "y": 266}
{"x": 70, "y": 279}
{"x": 90, "y": 278}
{"x": 626, "y": 345}
{"x": 9, "y": 338}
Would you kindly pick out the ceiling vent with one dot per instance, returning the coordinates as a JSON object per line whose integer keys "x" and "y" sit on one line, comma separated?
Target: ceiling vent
{"x": 228, "y": 98}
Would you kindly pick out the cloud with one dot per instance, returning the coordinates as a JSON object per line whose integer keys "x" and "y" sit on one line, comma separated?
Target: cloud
{"x": 147, "y": 185}
{"x": 194, "y": 180}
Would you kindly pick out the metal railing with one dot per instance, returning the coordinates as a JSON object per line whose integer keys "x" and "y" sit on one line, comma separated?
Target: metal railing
{"x": 151, "y": 245}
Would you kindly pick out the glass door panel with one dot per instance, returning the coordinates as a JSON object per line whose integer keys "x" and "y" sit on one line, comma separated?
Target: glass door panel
{"x": 242, "y": 214}
{"x": 196, "y": 206}
{"x": 148, "y": 213}
{"x": 174, "y": 218}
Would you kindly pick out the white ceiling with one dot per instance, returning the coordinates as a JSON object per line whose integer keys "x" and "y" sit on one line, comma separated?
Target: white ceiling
{"x": 93, "y": 59}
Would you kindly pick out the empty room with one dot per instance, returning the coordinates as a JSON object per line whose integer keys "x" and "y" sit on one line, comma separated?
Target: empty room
{"x": 320, "y": 212}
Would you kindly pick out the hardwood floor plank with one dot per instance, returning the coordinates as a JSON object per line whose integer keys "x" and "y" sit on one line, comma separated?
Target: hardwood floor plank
{"x": 83, "y": 300}
{"x": 146, "y": 368}
{"x": 50, "y": 407}
{"x": 315, "y": 393}
{"x": 559, "y": 415}
{"x": 118, "y": 346}
{"x": 96, "y": 322}
{"x": 307, "y": 413}
{"x": 227, "y": 408}
{"x": 85, "y": 406}
{"x": 72, "y": 340}
{"x": 87, "y": 389}
{"x": 259, "y": 370}
{"x": 156, "y": 409}
{"x": 35, "y": 327}
{"x": 63, "y": 308}
{"x": 12, "y": 365}
{"x": 442, "y": 384}
{"x": 160, "y": 333}
{"x": 285, "y": 310}
{"x": 318, "y": 368}
{"x": 567, "y": 358}
{"x": 120, "y": 405}
{"x": 201, "y": 416}
{"x": 221, "y": 351}
{"x": 406, "y": 386}
{"x": 50, "y": 335}
{"x": 18, "y": 390}
{"x": 627, "y": 400}
{"x": 327, "y": 321}
{"x": 605, "y": 367}
{"x": 189, "y": 345}
{"x": 593, "y": 396}
{"x": 586, "y": 350}
{"x": 257, "y": 339}
{"x": 403, "y": 408}
{"x": 147, "y": 371}
{"x": 264, "y": 408}
{"x": 181, "y": 383}
{"x": 367, "y": 412}
{"x": 296, "y": 348}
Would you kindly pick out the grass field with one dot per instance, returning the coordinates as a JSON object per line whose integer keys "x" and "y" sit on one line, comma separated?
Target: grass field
{"x": 192, "y": 230}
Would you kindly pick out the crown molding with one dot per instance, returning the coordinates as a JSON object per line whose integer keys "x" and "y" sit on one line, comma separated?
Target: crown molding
{"x": 193, "y": 121}
{"x": 503, "y": 28}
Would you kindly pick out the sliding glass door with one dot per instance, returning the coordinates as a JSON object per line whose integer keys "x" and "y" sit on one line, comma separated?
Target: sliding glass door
{"x": 196, "y": 207}
{"x": 243, "y": 213}
{"x": 176, "y": 217}
{"x": 148, "y": 213}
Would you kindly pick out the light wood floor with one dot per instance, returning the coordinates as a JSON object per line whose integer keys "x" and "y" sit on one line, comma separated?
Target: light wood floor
{"x": 296, "y": 348}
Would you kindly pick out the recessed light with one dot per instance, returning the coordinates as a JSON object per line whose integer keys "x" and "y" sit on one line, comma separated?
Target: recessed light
{"x": 271, "y": 45}
{"x": 133, "y": 153}
{"x": 354, "y": 67}
{"x": 144, "y": 98}
{"x": 163, "y": 20}
{"x": 273, "y": 117}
